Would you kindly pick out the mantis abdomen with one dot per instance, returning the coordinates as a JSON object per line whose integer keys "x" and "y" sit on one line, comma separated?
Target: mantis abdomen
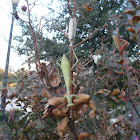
{"x": 65, "y": 66}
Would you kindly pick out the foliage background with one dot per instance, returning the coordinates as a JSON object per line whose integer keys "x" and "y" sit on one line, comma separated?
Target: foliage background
{"x": 112, "y": 81}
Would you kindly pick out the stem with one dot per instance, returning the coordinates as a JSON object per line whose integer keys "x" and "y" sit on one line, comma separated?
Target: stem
{"x": 34, "y": 39}
{"x": 71, "y": 123}
{"x": 128, "y": 95}
{"x": 104, "y": 119}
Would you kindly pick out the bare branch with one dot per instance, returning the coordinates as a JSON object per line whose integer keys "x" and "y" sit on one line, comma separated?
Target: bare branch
{"x": 85, "y": 39}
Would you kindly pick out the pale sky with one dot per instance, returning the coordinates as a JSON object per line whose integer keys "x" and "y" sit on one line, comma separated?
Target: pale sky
{"x": 5, "y": 23}
{"x": 5, "y": 15}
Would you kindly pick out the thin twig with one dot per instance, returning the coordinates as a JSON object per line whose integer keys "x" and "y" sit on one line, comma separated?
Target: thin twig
{"x": 85, "y": 39}
{"x": 128, "y": 95}
{"x": 69, "y": 9}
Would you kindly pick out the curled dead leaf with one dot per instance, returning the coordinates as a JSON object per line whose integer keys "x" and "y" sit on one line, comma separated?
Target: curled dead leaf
{"x": 54, "y": 77}
{"x": 45, "y": 93}
{"x": 91, "y": 104}
{"x": 120, "y": 61}
{"x": 116, "y": 42}
{"x": 82, "y": 99}
{"x": 13, "y": 95}
{"x": 136, "y": 19}
{"x": 63, "y": 107}
{"x": 116, "y": 92}
{"x": 55, "y": 108}
{"x": 81, "y": 89}
{"x": 35, "y": 97}
{"x": 131, "y": 30}
{"x": 46, "y": 114}
{"x": 126, "y": 63}
{"x": 92, "y": 113}
{"x": 54, "y": 101}
{"x": 63, "y": 125}
{"x": 122, "y": 48}
{"x": 91, "y": 136}
{"x": 131, "y": 12}
{"x": 83, "y": 135}
{"x": 58, "y": 113}
{"x": 130, "y": 22}
{"x": 87, "y": 8}
{"x": 114, "y": 99}
{"x": 103, "y": 91}
{"x": 60, "y": 134}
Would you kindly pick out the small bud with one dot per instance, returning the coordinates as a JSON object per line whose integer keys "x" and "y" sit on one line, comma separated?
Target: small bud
{"x": 121, "y": 17}
{"x": 109, "y": 20}
{"x": 24, "y": 8}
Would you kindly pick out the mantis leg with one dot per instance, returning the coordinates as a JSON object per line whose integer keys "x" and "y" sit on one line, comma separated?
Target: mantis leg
{"x": 73, "y": 83}
{"x": 76, "y": 60}
{"x": 58, "y": 62}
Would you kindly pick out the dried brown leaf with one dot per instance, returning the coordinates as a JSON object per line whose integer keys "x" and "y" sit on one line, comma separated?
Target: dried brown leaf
{"x": 131, "y": 30}
{"x": 62, "y": 127}
{"x": 81, "y": 89}
{"x": 54, "y": 77}
{"x": 136, "y": 19}
{"x": 82, "y": 99}
{"x": 45, "y": 93}
{"x": 125, "y": 63}
{"x": 92, "y": 113}
{"x": 91, "y": 136}
{"x": 60, "y": 134}
{"x": 103, "y": 91}
{"x": 47, "y": 114}
{"x": 83, "y": 135}
{"x": 116, "y": 42}
{"x": 58, "y": 113}
{"x": 7, "y": 103}
{"x": 91, "y": 104}
{"x": 63, "y": 107}
{"x": 87, "y": 8}
{"x": 54, "y": 101}
{"x": 131, "y": 12}
{"x": 35, "y": 97}
{"x": 13, "y": 95}
{"x": 120, "y": 61}
{"x": 130, "y": 22}
{"x": 114, "y": 99}
{"x": 116, "y": 92}
{"x": 122, "y": 48}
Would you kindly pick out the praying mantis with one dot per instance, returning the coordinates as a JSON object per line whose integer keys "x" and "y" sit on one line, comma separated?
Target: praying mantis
{"x": 65, "y": 66}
